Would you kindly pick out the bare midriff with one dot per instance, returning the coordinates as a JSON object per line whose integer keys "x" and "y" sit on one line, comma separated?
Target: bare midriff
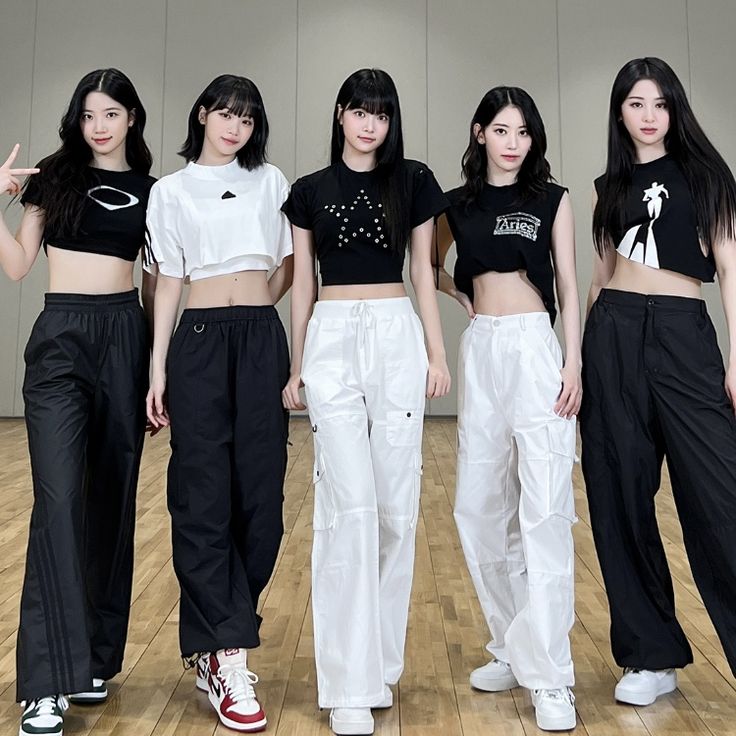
{"x": 632, "y": 276}
{"x": 242, "y": 288}
{"x": 73, "y": 272}
{"x": 362, "y": 291}
{"x": 500, "y": 294}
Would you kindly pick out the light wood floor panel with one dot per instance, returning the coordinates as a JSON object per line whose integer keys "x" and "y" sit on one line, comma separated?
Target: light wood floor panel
{"x": 153, "y": 696}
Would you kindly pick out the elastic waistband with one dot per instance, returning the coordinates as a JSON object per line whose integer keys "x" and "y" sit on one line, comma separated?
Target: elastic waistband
{"x": 642, "y": 302}
{"x": 528, "y": 320}
{"x": 352, "y": 308}
{"x": 228, "y": 314}
{"x": 59, "y": 302}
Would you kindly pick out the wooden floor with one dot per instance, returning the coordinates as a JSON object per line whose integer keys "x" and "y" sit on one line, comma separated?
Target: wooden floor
{"x": 153, "y": 696}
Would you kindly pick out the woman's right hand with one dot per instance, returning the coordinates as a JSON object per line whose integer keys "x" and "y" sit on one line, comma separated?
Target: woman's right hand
{"x": 290, "y": 394}
{"x": 9, "y": 182}
{"x": 156, "y": 411}
{"x": 465, "y": 302}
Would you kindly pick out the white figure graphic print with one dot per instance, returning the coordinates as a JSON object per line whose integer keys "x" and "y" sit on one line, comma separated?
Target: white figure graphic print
{"x": 111, "y": 198}
{"x": 639, "y": 244}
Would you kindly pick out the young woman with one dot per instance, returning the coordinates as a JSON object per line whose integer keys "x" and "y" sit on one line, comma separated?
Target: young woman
{"x": 664, "y": 221}
{"x": 84, "y": 392}
{"x": 218, "y": 222}
{"x": 363, "y": 362}
{"x": 517, "y": 400}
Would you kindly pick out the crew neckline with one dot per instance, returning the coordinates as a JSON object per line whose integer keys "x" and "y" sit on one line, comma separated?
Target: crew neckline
{"x": 210, "y": 172}
{"x": 666, "y": 157}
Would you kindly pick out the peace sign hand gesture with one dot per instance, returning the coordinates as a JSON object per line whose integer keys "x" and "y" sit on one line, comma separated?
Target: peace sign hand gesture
{"x": 9, "y": 183}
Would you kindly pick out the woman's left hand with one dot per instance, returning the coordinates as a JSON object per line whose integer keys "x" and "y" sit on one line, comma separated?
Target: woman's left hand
{"x": 438, "y": 379}
{"x": 571, "y": 394}
{"x": 730, "y": 384}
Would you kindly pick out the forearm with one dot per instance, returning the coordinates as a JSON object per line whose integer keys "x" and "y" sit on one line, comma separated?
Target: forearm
{"x": 303, "y": 295}
{"x": 424, "y": 287}
{"x": 13, "y": 257}
{"x": 567, "y": 295}
{"x": 148, "y": 292}
{"x": 281, "y": 280}
{"x": 165, "y": 308}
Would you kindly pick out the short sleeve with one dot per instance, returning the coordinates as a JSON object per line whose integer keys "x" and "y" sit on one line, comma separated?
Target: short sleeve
{"x": 297, "y": 206}
{"x": 162, "y": 246}
{"x": 427, "y": 198}
{"x": 598, "y": 184}
{"x": 285, "y": 247}
{"x": 32, "y": 192}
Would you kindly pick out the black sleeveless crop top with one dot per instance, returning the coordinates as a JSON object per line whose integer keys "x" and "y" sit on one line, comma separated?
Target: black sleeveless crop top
{"x": 659, "y": 224}
{"x": 343, "y": 210}
{"x": 500, "y": 232}
{"x": 113, "y": 219}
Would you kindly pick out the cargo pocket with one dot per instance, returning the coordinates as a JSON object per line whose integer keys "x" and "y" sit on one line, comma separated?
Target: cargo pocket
{"x": 404, "y": 428}
{"x": 324, "y": 506}
{"x": 560, "y": 498}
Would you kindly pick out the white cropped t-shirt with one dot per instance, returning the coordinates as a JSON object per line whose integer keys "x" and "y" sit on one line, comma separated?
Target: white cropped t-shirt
{"x": 212, "y": 220}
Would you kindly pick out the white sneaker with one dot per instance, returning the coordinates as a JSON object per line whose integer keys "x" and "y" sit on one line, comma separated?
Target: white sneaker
{"x": 643, "y": 687}
{"x": 554, "y": 709}
{"x": 203, "y": 673}
{"x": 43, "y": 716}
{"x": 388, "y": 698}
{"x": 97, "y": 694}
{"x": 493, "y": 677}
{"x": 231, "y": 691}
{"x": 351, "y": 721}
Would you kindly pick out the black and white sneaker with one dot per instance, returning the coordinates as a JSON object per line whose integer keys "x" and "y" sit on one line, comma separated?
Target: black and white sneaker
{"x": 203, "y": 673}
{"x": 97, "y": 694}
{"x": 43, "y": 716}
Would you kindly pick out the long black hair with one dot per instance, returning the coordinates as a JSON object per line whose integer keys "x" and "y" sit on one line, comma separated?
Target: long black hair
{"x": 374, "y": 91}
{"x": 710, "y": 180}
{"x": 240, "y": 97}
{"x": 65, "y": 175}
{"x": 534, "y": 173}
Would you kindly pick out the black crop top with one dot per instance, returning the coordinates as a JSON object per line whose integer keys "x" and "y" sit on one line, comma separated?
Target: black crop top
{"x": 503, "y": 233}
{"x": 113, "y": 219}
{"x": 659, "y": 222}
{"x": 343, "y": 210}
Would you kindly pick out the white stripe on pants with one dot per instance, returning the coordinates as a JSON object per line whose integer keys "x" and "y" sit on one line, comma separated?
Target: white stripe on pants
{"x": 365, "y": 372}
{"x": 514, "y": 504}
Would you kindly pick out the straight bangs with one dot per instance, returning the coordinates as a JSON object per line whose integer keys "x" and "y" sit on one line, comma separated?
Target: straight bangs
{"x": 373, "y": 97}
{"x": 240, "y": 102}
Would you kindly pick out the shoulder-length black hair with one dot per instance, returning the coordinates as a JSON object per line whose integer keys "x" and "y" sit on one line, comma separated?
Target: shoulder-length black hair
{"x": 374, "y": 91}
{"x": 535, "y": 170}
{"x": 240, "y": 97}
{"x": 65, "y": 175}
{"x": 710, "y": 180}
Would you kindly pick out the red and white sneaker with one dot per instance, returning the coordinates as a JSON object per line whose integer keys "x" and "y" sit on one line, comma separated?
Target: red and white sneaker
{"x": 231, "y": 691}
{"x": 203, "y": 673}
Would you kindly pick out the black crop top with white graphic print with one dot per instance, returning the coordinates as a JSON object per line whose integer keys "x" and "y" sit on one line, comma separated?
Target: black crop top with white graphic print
{"x": 343, "y": 210}
{"x": 659, "y": 224}
{"x": 501, "y": 232}
{"x": 113, "y": 219}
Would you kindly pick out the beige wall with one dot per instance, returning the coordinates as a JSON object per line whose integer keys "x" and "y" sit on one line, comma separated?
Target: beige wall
{"x": 443, "y": 55}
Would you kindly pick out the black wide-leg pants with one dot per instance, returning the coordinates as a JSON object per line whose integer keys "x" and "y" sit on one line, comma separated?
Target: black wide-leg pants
{"x": 85, "y": 386}
{"x": 226, "y": 369}
{"x": 654, "y": 387}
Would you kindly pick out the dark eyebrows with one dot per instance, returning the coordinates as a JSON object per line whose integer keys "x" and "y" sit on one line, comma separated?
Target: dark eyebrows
{"x": 636, "y": 97}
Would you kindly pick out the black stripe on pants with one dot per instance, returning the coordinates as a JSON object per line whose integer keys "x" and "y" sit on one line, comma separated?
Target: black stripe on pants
{"x": 653, "y": 387}
{"x": 226, "y": 369}
{"x": 84, "y": 390}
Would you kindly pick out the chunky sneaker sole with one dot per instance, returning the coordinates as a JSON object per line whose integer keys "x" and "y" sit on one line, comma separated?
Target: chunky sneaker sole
{"x": 564, "y": 721}
{"x": 481, "y": 680}
{"x": 634, "y": 696}
{"x": 254, "y": 726}
{"x": 97, "y": 694}
{"x": 351, "y": 727}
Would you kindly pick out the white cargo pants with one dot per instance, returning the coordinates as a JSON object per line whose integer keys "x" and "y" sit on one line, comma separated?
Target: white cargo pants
{"x": 514, "y": 504}
{"x": 365, "y": 371}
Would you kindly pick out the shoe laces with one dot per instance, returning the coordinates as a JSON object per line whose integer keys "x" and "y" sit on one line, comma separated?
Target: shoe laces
{"x": 560, "y": 693}
{"x": 46, "y": 706}
{"x": 238, "y": 681}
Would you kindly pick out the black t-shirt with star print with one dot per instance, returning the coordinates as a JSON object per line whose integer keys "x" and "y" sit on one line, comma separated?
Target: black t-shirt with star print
{"x": 113, "y": 219}
{"x": 343, "y": 210}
